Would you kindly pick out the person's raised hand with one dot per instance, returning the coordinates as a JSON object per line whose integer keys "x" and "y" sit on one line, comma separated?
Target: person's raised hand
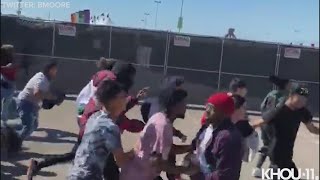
{"x": 183, "y": 138}
{"x": 142, "y": 93}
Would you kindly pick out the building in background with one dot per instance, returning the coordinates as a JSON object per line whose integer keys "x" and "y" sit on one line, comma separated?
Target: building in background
{"x": 81, "y": 17}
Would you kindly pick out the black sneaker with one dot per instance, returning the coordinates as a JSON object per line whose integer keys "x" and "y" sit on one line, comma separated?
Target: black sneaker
{"x": 32, "y": 169}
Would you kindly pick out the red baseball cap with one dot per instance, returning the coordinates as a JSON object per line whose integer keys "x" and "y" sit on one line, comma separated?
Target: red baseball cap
{"x": 223, "y": 102}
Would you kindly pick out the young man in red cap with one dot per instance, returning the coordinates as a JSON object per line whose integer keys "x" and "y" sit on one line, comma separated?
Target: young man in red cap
{"x": 218, "y": 143}
{"x": 236, "y": 87}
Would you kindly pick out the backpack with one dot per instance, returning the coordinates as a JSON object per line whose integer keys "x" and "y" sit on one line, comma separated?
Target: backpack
{"x": 273, "y": 99}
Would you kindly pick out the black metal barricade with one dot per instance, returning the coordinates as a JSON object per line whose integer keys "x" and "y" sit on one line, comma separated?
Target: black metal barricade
{"x": 138, "y": 46}
{"x": 207, "y": 63}
{"x": 90, "y": 42}
{"x": 27, "y": 36}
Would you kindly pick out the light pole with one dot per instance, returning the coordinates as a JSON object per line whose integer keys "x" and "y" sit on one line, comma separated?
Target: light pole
{"x": 146, "y": 19}
{"x": 19, "y": 8}
{"x": 155, "y": 23}
{"x": 144, "y": 22}
{"x": 180, "y": 18}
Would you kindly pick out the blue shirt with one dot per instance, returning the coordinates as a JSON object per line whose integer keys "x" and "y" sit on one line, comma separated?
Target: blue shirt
{"x": 101, "y": 137}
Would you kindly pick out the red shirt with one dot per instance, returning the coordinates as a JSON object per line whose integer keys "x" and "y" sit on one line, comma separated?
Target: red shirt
{"x": 9, "y": 72}
{"x": 124, "y": 123}
{"x": 203, "y": 119}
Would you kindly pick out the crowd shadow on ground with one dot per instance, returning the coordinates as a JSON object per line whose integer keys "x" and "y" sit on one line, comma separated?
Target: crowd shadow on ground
{"x": 11, "y": 167}
{"x": 54, "y": 136}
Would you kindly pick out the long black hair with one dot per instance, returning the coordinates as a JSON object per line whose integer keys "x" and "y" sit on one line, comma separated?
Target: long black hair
{"x": 172, "y": 81}
{"x": 170, "y": 97}
{"x": 46, "y": 69}
{"x": 125, "y": 73}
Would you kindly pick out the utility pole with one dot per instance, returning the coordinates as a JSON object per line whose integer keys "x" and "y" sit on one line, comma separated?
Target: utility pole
{"x": 155, "y": 23}
{"x": 180, "y": 21}
{"x": 146, "y": 19}
{"x": 19, "y": 8}
{"x": 144, "y": 23}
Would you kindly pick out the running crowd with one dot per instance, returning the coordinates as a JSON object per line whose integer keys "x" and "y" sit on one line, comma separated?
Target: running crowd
{"x": 225, "y": 140}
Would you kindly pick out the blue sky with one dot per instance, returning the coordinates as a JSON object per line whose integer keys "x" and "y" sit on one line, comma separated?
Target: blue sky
{"x": 268, "y": 20}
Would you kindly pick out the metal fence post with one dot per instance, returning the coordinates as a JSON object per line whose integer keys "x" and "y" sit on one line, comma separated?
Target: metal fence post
{"x": 220, "y": 66}
{"x": 110, "y": 41}
{"x": 166, "y": 56}
{"x": 53, "y": 39}
{"x": 278, "y": 60}
{"x": 276, "y": 68}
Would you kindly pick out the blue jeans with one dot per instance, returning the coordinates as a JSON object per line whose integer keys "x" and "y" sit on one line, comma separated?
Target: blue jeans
{"x": 28, "y": 113}
{"x": 6, "y": 99}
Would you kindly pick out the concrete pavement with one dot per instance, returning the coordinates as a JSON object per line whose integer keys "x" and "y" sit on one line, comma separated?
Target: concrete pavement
{"x": 57, "y": 134}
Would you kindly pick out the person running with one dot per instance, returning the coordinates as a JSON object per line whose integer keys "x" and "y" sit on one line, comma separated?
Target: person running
{"x": 272, "y": 100}
{"x": 239, "y": 87}
{"x": 218, "y": 143}
{"x": 30, "y": 99}
{"x": 286, "y": 120}
{"x": 8, "y": 77}
{"x": 156, "y": 140}
{"x": 236, "y": 87}
{"x": 151, "y": 106}
{"x": 93, "y": 106}
{"x": 88, "y": 91}
{"x": 250, "y": 136}
{"x": 125, "y": 73}
{"x": 102, "y": 137}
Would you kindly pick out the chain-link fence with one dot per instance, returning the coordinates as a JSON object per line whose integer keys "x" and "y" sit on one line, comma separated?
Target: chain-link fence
{"x": 207, "y": 63}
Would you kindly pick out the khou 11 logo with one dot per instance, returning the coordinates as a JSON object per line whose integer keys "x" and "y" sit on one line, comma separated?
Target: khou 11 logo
{"x": 287, "y": 174}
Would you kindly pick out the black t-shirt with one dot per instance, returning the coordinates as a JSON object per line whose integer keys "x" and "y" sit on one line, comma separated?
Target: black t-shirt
{"x": 245, "y": 128}
{"x": 286, "y": 123}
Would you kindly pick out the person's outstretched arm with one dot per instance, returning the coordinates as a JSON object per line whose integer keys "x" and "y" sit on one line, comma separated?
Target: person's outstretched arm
{"x": 312, "y": 128}
{"x": 179, "y": 134}
{"x": 307, "y": 120}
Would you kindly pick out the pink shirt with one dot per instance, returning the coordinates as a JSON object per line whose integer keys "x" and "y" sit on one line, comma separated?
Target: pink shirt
{"x": 157, "y": 137}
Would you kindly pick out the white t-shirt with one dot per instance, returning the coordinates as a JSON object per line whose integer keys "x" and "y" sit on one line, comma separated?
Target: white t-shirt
{"x": 86, "y": 93}
{"x": 38, "y": 81}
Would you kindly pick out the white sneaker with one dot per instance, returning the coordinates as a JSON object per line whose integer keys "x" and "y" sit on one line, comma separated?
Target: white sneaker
{"x": 257, "y": 173}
